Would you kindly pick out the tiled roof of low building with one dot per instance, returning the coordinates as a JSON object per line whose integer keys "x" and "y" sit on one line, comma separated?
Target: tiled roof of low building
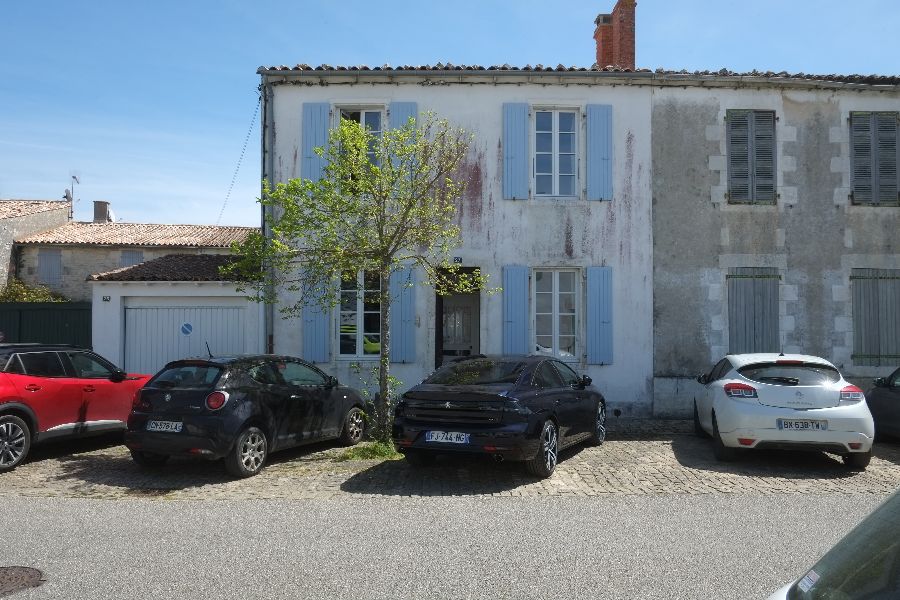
{"x": 172, "y": 267}
{"x": 21, "y": 208}
{"x": 639, "y": 72}
{"x": 141, "y": 234}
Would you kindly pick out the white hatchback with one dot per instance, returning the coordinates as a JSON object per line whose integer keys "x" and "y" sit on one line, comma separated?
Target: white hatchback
{"x": 783, "y": 401}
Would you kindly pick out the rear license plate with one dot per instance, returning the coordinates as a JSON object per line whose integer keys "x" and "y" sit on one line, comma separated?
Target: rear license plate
{"x": 802, "y": 425}
{"x": 171, "y": 426}
{"x": 447, "y": 437}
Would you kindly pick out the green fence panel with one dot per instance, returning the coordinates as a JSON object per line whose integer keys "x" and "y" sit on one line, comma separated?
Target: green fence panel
{"x": 46, "y": 322}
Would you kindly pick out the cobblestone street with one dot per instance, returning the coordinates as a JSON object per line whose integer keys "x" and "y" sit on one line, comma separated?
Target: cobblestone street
{"x": 639, "y": 458}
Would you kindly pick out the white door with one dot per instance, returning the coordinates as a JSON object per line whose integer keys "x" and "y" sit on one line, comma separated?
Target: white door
{"x": 157, "y": 335}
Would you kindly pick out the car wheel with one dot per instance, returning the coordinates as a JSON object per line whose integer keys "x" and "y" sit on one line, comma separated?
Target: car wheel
{"x": 249, "y": 453}
{"x": 858, "y": 461}
{"x": 544, "y": 462}
{"x": 15, "y": 442}
{"x": 419, "y": 458}
{"x": 720, "y": 450}
{"x": 354, "y": 425}
{"x": 149, "y": 460}
{"x": 698, "y": 429}
{"x": 598, "y": 435}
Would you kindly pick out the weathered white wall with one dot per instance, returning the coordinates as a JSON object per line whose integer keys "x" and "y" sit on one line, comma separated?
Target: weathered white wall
{"x": 537, "y": 232}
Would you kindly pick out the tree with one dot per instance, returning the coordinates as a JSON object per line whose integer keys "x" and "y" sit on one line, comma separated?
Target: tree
{"x": 385, "y": 202}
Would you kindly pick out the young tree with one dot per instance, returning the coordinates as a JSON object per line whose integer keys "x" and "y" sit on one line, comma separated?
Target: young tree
{"x": 385, "y": 201}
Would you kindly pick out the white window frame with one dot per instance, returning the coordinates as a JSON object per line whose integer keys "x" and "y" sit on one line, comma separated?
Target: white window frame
{"x": 555, "y": 153}
{"x": 363, "y": 110}
{"x": 577, "y": 275}
{"x": 359, "y": 324}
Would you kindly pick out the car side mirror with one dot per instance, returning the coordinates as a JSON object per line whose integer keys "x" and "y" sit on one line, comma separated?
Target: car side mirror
{"x": 332, "y": 381}
{"x": 880, "y": 382}
{"x": 703, "y": 378}
{"x": 117, "y": 376}
{"x": 585, "y": 381}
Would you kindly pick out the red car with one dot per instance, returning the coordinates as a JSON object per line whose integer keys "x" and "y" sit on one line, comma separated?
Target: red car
{"x": 53, "y": 391}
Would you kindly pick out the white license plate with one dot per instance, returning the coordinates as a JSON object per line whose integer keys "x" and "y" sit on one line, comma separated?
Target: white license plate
{"x": 802, "y": 425}
{"x": 173, "y": 426}
{"x": 449, "y": 437}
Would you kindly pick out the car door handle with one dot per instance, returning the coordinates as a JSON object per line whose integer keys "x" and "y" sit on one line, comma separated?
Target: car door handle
{"x": 32, "y": 387}
{"x": 295, "y": 397}
{"x": 88, "y": 388}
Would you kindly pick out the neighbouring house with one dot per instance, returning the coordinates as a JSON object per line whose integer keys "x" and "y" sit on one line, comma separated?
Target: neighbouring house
{"x": 63, "y": 257}
{"x": 641, "y": 223}
{"x": 172, "y": 307}
{"x": 21, "y": 218}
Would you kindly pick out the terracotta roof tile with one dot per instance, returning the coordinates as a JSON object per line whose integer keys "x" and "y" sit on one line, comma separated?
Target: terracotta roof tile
{"x": 141, "y": 234}
{"x": 172, "y": 267}
{"x": 20, "y": 208}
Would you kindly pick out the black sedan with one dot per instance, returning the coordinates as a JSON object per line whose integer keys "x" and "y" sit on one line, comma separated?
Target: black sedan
{"x": 524, "y": 408}
{"x": 884, "y": 404}
{"x": 240, "y": 409}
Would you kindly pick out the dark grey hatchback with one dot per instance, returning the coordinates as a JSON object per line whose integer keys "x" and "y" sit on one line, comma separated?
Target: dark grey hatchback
{"x": 523, "y": 408}
{"x": 239, "y": 408}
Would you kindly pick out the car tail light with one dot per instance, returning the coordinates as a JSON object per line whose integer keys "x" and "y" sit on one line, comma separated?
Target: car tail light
{"x": 746, "y": 441}
{"x": 855, "y": 445}
{"x": 851, "y": 394}
{"x": 740, "y": 390}
{"x": 136, "y": 399}
{"x": 216, "y": 400}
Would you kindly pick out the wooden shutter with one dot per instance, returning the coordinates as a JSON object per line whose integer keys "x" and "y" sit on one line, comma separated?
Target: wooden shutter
{"x": 738, "y": 143}
{"x": 50, "y": 266}
{"x": 314, "y": 135}
{"x": 515, "y": 310}
{"x": 598, "y": 316}
{"x": 599, "y": 152}
{"x": 876, "y": 316}
{"x": 862, "y": 176}
{"x": 763, "y": 156}
{"x": 399, "y": 113}
{"x": 886, "y": 157}
{"x": 753, "y": 310}
{"x": 316, "y": 345}
{"x": 515, "y": 151}
{"x": 403, "y": 327}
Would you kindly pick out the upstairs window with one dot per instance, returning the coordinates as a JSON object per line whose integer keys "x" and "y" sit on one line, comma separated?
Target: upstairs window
{"x": 50, "y": 266}
{"x": 371, "y": 120}
{"x": 750, "y": 140}
{"x": 555, "y": 143}
{"x": 873, "y": 158}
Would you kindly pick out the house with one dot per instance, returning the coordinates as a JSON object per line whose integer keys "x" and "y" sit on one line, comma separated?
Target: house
{"x": 63, "y": 257}
{"x": 641, "y": 223}
{"x": 172, "y": 307}
{"x": 21, "y": 218}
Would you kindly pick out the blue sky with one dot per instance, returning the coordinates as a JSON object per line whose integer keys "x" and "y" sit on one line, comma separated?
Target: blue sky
{"x": 149, "y": 103}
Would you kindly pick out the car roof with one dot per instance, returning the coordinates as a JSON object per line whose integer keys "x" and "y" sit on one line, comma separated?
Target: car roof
{"x": 232, "y": 358}
{"x": 742, "y": 360}
{"x": 33, "y": 346}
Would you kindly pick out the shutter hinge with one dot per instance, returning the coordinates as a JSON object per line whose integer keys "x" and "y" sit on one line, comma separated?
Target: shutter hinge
{"x": 728, "y": 195}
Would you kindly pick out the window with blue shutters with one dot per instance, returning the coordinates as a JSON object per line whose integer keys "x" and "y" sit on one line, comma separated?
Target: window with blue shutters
{"x": 372, "y": 119}
{"x": 750, "y": 141}
{"x": 555, "y": 160}
{"x": 359, "y": 320}
{"x": 873, "y": 158}
{"x": 555, "y": 305}
{"x": 130, "y": 258}
{"x": 50, "y": 266}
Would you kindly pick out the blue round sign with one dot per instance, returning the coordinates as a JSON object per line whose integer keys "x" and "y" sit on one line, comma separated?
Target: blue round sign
{"x": 186, "y": 328}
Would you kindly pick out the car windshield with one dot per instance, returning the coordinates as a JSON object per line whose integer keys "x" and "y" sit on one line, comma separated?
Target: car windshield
{"x": 791, "y": 374}
{"x": 482, "y": 371}
{"x": 186, "y": 376}
{"x": 864, "y": 564}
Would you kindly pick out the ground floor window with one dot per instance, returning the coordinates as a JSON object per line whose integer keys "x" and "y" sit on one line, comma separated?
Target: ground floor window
{"x": 360, "y": 314}
{"x": 753, "y": 310}
{"x": 876, "y": 316}
{"x": 555, "y": 305}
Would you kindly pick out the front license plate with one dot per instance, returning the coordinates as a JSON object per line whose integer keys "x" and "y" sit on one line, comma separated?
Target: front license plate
{"x": 171, "y": 426}
{"x": 802, "y": 425}
{"x": 448, "y": 437}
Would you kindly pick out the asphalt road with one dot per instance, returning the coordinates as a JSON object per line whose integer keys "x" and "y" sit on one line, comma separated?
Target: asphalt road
{"x": 642, "y": 547}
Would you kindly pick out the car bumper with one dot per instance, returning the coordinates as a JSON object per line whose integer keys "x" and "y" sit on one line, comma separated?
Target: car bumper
{"x": 751, "y": 425}
{"x": 516, "y": 441}
{"x": 198, "y": 437}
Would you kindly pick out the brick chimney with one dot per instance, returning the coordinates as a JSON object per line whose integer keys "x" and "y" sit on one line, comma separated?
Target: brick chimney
{"x": 615, "y": 36}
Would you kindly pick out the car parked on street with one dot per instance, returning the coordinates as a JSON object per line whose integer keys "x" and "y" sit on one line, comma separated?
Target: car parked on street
{"x": 884, "y": 403}
{"x": 791, "y": 401}
{"x": 863, "y": 565}
{"x": 56, "y": 392}
{"x": 522, "y": 408}
{"x": 240, "y": 408}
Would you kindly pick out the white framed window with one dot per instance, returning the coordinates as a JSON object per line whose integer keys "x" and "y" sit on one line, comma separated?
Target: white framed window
{"x": 556, "y": 308}
{"x": 359, "y": 327}
{"x": 555, "y": 146}
{"x": 370, "y": 118}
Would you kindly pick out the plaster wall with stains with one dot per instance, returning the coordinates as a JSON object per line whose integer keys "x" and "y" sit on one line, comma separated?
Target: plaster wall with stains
{"x": 538, "y": 232}
{"x": 813, "y": 234}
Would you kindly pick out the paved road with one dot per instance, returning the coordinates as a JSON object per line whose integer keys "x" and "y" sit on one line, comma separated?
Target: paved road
{"x": 647, "y": 515}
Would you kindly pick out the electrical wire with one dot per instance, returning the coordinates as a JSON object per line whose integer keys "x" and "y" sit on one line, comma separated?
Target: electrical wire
{"x": 241, "y": 158}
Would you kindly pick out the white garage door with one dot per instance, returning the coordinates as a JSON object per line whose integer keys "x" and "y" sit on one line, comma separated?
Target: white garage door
{"x": 157, "y": 335}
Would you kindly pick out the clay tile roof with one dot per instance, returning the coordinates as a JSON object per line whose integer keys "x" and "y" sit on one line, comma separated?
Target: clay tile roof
{"x": 141, "y": 234}
{"x": 20, "y": 208}
{"x": 439, "y": 67}
{"x": 172, "y": 267}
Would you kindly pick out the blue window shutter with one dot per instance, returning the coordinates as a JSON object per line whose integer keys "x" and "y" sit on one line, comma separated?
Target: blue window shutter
{"x": 400, "y": 112}
{"x": 315, "y": 135}
{"x": 403, "y": 326}
{"x": 599, "y": 316}
{"x": 515, "y": 151}
{"x": 599, "y": 152}
{"x": 50, "y": 266}
{"x": 515, "y": 309}
{"x": 316, "y": 332}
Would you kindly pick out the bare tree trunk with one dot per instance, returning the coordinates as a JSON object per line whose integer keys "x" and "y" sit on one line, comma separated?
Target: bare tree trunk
{"x": 383, "y": 410}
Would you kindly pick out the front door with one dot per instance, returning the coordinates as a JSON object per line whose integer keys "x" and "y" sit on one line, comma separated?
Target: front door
{"x": 460, "y": 326}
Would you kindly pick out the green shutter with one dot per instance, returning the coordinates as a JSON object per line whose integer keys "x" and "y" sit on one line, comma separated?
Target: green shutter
{"x": 738, "y": 142}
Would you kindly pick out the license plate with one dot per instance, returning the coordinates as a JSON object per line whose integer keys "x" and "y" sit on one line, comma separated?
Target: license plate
{"x": 172, "y": 426}
{"x": 802, "y": 425}
{"x": 448, "y": 437}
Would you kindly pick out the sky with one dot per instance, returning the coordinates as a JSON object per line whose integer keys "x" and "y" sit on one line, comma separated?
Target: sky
{"x": 149, "y": 103}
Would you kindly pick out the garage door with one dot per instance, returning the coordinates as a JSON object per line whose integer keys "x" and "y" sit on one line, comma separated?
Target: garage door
{"x": 155, "y": 336}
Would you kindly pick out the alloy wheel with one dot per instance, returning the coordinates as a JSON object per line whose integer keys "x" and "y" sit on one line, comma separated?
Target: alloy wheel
{"x": 12, "y": 443}
{"x": 253, "y": 451}
{"x": 355, "y": 426}
{"x": 549, "y": 444}
{"x": 601, "y": 422}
